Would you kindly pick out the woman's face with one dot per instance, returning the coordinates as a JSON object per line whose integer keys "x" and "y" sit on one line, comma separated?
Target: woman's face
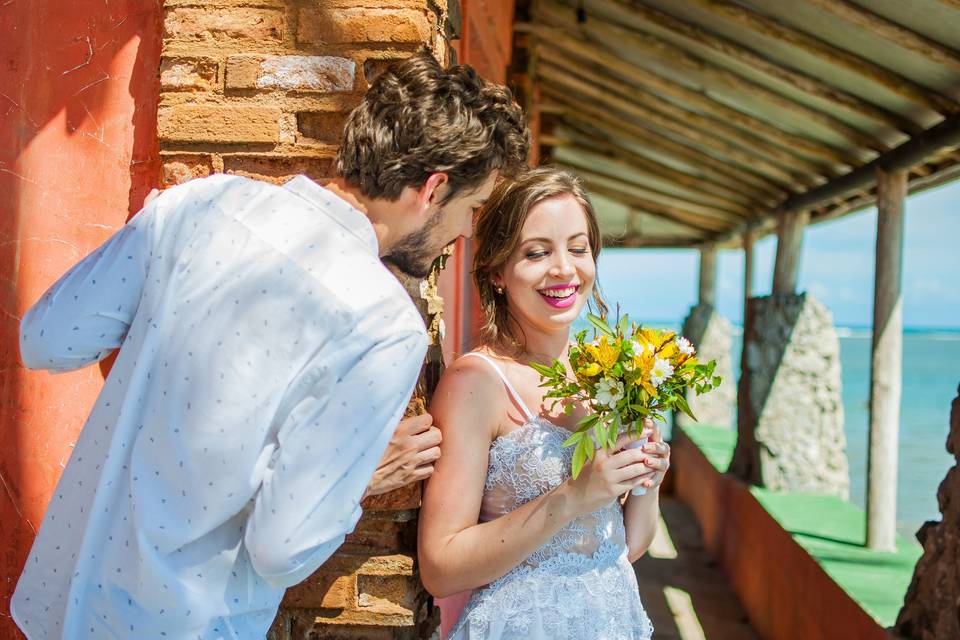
{"x": 550, "y": 275}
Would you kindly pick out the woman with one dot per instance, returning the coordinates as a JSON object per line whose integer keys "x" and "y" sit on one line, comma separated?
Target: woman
{"x": 548, "y": 556}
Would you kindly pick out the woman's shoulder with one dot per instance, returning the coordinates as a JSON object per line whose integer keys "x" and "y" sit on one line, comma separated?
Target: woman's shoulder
{"x": 473, "y": 379}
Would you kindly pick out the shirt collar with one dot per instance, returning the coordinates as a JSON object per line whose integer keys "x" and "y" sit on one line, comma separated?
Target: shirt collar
{"x": 351, "y": 218}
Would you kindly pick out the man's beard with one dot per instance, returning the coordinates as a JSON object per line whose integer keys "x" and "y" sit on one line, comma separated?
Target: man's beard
{"x": 414, "y": 254}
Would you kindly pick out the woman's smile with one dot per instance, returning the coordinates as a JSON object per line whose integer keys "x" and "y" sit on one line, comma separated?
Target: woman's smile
{"x": 560, "y": 296}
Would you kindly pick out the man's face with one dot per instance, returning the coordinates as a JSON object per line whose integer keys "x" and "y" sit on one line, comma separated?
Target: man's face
{"x": 414, "y": 253}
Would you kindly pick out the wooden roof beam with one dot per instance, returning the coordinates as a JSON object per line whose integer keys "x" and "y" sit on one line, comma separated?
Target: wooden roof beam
{"x": 910, "y": 153}
{"x": 599, "y": 184}
{"x": 607, "y": 140}
{"x": 655, "y": 195}
{"x": 642, "y": 167}
{"x": 914, "y": 151}
{"x": 601, "y": 32}
{"x": 681, "y": 115}
{"x": 650, "y": 118}
{"x": 651, "y": 81}
{"x": 892, "y": 31}
{"x": 771, "y": 28}
{"x": 658, "y": 143}
{"x": 808, "y": 84}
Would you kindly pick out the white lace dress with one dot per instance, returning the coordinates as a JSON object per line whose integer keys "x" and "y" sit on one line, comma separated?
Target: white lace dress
{"x": 579, "y": 585}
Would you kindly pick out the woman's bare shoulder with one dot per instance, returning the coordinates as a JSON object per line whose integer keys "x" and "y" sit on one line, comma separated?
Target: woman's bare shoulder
{"x": 470, "y": 389}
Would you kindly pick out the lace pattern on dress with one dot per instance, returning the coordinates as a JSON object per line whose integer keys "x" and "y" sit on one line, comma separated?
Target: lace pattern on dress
{"x": 579, "y": 584}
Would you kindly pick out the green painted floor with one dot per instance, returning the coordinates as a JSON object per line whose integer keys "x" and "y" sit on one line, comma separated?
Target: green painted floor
{"x": 833, "y": 531}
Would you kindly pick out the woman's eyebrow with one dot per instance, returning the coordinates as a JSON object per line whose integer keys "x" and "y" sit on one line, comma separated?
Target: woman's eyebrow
{"x": 549, "y": 240}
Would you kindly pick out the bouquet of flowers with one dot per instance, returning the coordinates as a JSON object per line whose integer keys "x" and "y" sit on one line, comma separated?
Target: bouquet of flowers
{"x": 624, "y": 374}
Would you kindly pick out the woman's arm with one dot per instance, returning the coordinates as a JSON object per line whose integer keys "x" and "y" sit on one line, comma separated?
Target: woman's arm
{"x": 641, "y": 514}
{"x": 455, "y": 552}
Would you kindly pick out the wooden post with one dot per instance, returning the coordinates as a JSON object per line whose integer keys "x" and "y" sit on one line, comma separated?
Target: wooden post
{"x": 886, "y": 364}
{"x": 789, "y": 243}
{"x": 708, "y": 275}
{"x": 748, "y": 238}
{"x": 746, "y": 460}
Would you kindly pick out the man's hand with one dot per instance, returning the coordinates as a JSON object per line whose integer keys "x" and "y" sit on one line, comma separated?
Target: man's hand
{"x": 409, "y": 457}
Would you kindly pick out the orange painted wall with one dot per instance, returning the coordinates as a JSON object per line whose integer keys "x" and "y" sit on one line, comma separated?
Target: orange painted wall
{"x": 78, "y": 152}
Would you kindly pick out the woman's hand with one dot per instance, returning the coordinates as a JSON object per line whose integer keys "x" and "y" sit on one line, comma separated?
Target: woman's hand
{"x": 657, "y": 458}
{"x": 610, "y": 475}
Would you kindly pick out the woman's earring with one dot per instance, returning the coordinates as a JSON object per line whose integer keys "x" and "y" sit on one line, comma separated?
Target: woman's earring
{"x": 499, "y": 290}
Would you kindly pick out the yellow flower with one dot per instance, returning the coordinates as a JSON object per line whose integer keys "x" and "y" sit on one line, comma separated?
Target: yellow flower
{"x": 644, "y": 364}
{"x": 603, "y": 353}
{"x": 592, "y": 369}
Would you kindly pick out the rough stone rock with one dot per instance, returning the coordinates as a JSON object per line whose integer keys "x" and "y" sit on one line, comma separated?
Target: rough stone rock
{"x": 711, "y": 334}
{"x": 931, "y": 608}
{"x": 790, "y": 417}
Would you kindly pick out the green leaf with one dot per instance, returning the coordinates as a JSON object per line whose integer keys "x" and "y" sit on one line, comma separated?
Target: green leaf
{"x": 579, "y": 458}
{"x": 624, "y": 325}
{"x": 546, "y": 372}
{"x": 600, "y": 324}
{"x": 588, "y": 421}
{"x": 574, "y": 438}
{"x": 681, "y": 402}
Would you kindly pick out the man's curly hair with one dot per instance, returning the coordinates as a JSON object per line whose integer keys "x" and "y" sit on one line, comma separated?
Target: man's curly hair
{"x": 418, "y": 118}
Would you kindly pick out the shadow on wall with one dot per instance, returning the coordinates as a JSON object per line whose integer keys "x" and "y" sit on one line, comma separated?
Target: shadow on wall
{"x": 78, "y": 152}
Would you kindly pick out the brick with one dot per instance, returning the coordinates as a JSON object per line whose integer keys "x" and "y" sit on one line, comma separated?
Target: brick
{"x": 223, "y": 25}
{"x": 321, "y": 126}
{"x": 328, "y": 74}
{"x": 279, "y": 169}
{"x": 351, "y": 25}
{"x": 323, "y": 590}
{"x": 387, "y": 594}
{"x": 407, "y": 497}
{"x": 378, "y": 534}
{"x": 220, "y": 124}
{"x": 177, "y": 169}
{"x": 188, "y": 74}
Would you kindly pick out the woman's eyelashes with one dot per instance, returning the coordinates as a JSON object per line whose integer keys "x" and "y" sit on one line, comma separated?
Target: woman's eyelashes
{"x": 534, "y": 254}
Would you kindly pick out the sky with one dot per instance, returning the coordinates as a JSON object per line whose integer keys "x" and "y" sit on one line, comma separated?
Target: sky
{"x": 836, "y": 266}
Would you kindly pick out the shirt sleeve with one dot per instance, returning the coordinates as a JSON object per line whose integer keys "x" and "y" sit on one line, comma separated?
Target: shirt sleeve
{"x": 86, "y": 314}
{"x": 328, "y": 449}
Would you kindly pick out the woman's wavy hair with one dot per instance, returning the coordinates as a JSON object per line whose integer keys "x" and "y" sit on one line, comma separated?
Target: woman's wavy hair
{"x": 418, "y": 118}
{"x": 497, "y": 234}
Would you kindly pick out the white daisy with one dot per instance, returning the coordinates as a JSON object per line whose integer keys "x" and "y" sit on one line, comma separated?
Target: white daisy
{"x": 662, "y": 369}
{"x": 609, "y": 392}
{"x": 685, "y": 347}
{"x": 639, "y": 348}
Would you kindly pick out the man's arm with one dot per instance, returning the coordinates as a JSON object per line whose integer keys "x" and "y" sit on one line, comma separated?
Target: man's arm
{"x": 85, "y": 315}
{"x": 328, "y": 449}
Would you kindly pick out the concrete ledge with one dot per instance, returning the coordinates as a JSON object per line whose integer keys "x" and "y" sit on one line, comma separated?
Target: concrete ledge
{"x": 795, "y": 560}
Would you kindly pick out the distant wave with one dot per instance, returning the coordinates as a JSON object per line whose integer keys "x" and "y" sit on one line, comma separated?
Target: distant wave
{"x": 855, "y": 334}
{"x": 944, "y": 337}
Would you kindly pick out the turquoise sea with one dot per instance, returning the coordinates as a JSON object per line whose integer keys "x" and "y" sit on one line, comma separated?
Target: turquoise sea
{"x": 931, "y": 374}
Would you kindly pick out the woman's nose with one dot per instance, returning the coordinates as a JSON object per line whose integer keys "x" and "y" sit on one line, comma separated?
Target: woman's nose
{"x": 561, "y": 266}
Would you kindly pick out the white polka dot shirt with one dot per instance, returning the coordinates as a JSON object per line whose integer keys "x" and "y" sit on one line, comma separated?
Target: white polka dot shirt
{"x": 266, "y": 357}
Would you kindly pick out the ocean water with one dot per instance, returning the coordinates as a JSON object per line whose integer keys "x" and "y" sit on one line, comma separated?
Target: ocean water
{"x": 931, "y": 375}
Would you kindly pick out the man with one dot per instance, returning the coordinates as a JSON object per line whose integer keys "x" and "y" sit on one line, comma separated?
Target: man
{"x": 266, "y": 355}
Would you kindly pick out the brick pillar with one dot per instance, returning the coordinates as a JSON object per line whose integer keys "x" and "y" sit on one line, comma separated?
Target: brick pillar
{"x": 261, "y": 88}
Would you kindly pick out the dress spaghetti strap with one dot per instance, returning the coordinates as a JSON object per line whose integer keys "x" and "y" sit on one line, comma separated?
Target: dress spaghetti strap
{"x": 513, "y": 392}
